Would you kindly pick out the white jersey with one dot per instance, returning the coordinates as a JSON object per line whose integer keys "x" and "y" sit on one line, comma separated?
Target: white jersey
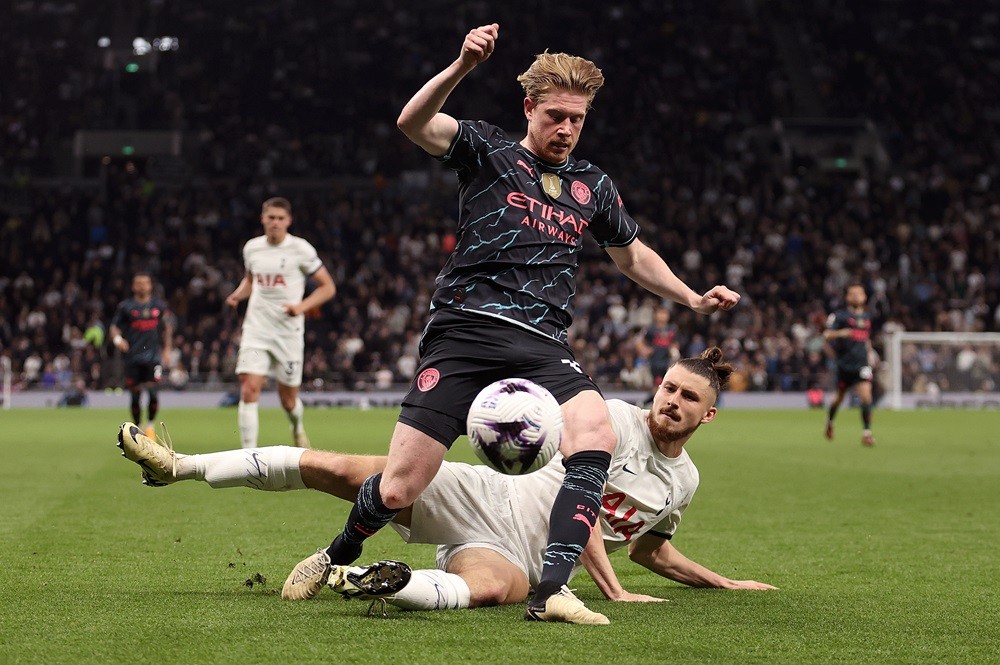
{"x": 279, "y": 274}
{"x": 646, "y": 490}
{"x": 474, "y": 506}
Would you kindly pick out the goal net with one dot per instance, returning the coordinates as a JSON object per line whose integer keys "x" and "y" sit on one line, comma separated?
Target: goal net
{"x": 943, "y": 369}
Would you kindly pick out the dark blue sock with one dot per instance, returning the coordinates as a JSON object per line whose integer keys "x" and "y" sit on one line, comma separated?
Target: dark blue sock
{"x": 367, "y": 516}
{"x": 574, "y": 514}
{"x": 136, "y": 408}
{"x": 154, "y": 405}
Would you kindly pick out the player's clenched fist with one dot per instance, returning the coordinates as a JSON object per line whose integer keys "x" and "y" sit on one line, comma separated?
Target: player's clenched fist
{"x": 478, "y": 44}
{"x": 718, "y": 297}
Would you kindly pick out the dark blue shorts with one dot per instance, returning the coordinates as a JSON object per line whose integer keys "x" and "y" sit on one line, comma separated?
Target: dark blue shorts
{"x": 462, "y": 353}
{"x": 140, "y": 374}
{"x": 851, "y": 376}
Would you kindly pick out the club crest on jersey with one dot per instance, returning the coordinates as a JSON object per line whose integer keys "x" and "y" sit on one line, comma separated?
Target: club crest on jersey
{"x": 428, "y": 379}
{"x": 580, "y": 192}
{"x": 552, "y": 185}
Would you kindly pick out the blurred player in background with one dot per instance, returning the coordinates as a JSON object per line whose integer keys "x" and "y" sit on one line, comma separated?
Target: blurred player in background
{"x": 659, "y": 346}
{"x": 273, "y": 340}
{"x": 503, "y": 301}
{"x": 492, "y": 528}
{"x": 848, "y": 332}
{"x": 142, "y": 329}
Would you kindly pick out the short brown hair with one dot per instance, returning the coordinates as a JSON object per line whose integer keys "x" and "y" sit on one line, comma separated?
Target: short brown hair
{"x": 853, "y": 285}
{"x": 560, "y": 71}
{"x": 277, "y": 202}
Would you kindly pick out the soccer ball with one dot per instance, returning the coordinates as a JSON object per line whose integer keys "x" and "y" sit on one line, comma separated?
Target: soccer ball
{"x": 515, "y": 426}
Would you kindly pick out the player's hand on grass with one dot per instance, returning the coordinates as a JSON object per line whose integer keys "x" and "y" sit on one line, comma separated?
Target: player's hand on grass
{"x": 750, "y": 585}
{"x": 629, "y": 597}
{"x": 478, "y": 44}
{"x": 716, "y": 298}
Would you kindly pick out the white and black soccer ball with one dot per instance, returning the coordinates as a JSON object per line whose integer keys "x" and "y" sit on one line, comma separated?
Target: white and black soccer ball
{"x": 515, "y": 426}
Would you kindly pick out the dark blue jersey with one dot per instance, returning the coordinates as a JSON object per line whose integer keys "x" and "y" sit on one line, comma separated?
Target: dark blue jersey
{"x": 852, "y": 352}
{"x": 520, "y": 230}
{"x": 660, "y": 339}
{"x": 141, "y": 325}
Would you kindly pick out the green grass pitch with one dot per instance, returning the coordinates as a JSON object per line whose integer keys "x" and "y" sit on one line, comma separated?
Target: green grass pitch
{"x": 884, "y": 555}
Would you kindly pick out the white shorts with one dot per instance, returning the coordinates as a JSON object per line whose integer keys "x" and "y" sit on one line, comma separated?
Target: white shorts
{"x": 468, "y": 507}
{"x": 280, "y": 359}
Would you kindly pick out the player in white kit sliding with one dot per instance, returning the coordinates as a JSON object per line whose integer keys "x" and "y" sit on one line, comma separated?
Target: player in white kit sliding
{"x": 492, "y": 528}
{"x": 278, "y": 265}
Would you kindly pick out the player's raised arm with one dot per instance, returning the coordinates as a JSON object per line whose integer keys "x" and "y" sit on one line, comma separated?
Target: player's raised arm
{"x": 647, "y": 269}
{"x": 421, "y": 119}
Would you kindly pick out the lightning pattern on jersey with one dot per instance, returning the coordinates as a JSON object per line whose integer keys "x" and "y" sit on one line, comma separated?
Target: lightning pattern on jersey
{"x": 518, "y": 243}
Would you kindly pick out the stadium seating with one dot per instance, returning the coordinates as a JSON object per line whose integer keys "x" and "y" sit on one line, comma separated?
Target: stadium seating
{"x": 270, "y": 100}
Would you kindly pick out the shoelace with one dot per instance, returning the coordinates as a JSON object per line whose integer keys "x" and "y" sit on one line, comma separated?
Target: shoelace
{"x": 168, "y": 443}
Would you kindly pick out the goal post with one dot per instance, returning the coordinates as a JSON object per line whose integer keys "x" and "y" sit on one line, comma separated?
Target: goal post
{"x": 972, "y": 371}
{"x": 6, "y": 381}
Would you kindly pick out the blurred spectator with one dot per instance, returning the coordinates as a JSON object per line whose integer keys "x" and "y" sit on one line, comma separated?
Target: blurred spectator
{"x": 75, "y": 395}
{"x": 692, "y": 85}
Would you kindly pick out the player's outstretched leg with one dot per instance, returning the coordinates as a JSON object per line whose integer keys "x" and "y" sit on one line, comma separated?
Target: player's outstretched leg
{"x": 393, "y": 582}
{"x": 382, "y": 578}
{"x": 158, "y": 462}
{"x": 563, "y": 606}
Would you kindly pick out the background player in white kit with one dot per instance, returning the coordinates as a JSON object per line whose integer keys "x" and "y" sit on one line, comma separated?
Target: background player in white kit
{"x": 273, "y": 341}
{"x": 492, "y": 528}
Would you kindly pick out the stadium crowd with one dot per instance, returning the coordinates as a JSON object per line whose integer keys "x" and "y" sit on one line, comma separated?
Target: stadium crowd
{"x": 273, "y": 101}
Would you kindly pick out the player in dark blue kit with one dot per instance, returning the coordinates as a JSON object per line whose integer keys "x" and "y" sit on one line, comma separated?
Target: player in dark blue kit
{"x": 503, "y": 304}
{"x": 849, "y": 333}
{"x": 137, "y": 328}
{"x": 659, "y": 346}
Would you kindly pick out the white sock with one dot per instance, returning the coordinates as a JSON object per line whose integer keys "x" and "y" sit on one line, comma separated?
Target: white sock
{"x": 295, "y": 416}
{"x": 246, "y": 416}
{"x": 432, "y": 590}
{"x": 272, "y": 469}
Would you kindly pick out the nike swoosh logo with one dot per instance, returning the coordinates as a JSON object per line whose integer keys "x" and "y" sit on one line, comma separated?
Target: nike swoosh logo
{"x": 628, "y": 470}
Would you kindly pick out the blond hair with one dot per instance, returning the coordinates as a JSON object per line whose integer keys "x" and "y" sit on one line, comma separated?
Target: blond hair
{"x": 560, "y": 71}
